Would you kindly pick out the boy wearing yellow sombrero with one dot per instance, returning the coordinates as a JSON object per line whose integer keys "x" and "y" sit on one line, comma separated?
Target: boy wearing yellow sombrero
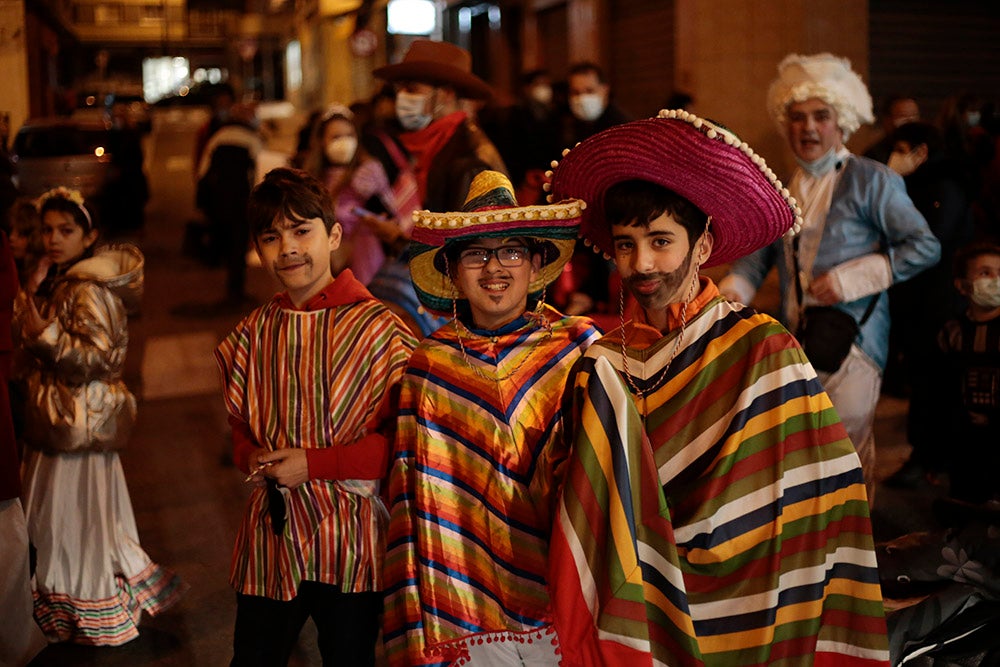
{"x": 479, "y": 434}
{"x": 713, "y": 510}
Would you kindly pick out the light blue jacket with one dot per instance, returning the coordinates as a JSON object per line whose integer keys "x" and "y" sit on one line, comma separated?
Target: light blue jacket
{"x": 870, "y": 212}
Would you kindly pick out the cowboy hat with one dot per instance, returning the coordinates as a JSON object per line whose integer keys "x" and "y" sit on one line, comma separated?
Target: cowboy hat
{"x": 438, "y": 63}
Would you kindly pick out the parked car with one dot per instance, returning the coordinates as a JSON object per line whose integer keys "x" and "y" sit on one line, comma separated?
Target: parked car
{"x": 103, "y": 107}
{"x": 73, "y": 152}
{"x": 103, "y": 162}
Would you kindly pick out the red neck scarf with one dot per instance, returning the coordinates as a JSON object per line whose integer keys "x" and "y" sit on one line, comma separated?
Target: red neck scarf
{"x": 425, "y": 144}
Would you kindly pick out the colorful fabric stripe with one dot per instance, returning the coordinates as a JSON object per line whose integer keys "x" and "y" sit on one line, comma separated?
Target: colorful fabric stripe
{"x": 316, "y": 378}
{"x": 720, "y": 520}
{"x": 472, "y": 487}
{"x": 110, "y": 621}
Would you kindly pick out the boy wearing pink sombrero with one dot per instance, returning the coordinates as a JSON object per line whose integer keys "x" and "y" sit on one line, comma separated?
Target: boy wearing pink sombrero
{"x": 478, "y": 442}
{"x": 713, "y": 510}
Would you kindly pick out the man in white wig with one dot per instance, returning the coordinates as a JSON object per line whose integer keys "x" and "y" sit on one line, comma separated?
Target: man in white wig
{"x": 860, "y": 234}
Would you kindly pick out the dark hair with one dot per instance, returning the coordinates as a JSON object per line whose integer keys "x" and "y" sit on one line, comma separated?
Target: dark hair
{"x": 891, "y": 100}
{"x": 587, "y": 67}
{"x": 78, "y": 212}
{"x": 528, "y": 78}
{"x": 919, "y": 133}
{"x": 288, "y": 193}
{"x": 967, "y": 253}
{"x": 638, "y": 202}
{"x": 23, "y": 218}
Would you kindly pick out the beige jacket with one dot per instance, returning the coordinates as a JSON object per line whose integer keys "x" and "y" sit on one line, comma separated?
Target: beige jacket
{"x": 70, "y": 375}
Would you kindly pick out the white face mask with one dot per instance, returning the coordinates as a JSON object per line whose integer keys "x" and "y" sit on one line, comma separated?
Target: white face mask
{"x": 986, "y": 292}
{"x": 972, "y": 118}
{"x": 541, "y": 94}
{"x": 820, "y": 166}
{"x": 587, "y": 107}
{"x": 410, "y": 111}
{"x": 341, "y": 150}
{"x": 904, "y": 164}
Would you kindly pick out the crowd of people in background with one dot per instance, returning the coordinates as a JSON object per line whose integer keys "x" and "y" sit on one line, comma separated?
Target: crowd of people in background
{"x": 427, "y": 275}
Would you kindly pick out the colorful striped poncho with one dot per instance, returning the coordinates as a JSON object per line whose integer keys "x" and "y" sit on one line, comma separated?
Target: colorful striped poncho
{"x": 314, "y": 378}
{"x": 720, "y": 520}
{"x": 472, "y": 487}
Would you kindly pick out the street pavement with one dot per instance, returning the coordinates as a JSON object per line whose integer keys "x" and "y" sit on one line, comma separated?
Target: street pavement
{"x": 187, "y": 496}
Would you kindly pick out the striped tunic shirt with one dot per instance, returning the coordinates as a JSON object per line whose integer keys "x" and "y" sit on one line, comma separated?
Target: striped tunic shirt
{"x": 721, "y": 519}
{"x": 313, "y": 378}
{"x": 472, "y": 487}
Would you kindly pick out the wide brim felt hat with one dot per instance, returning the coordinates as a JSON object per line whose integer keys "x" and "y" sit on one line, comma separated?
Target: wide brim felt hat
{"x": 440, "y": 63}
{"x": 490, "y": 211}
{"x": 700, "y": 160}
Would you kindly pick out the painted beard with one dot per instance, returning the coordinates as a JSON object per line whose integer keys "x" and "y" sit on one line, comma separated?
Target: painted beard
{"x": 669, "y": 284}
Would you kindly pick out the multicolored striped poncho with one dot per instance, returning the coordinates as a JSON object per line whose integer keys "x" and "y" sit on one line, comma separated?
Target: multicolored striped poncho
{"x": 472, "y": 486}
{"x": 314, "y": 378}
{"x": 719, "y": 520}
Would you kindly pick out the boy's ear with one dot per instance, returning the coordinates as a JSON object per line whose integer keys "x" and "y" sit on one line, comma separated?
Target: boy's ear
{"x": 961, "y": 286}
{"x": 90, "y": 238}
{"x": 336, "y": 235}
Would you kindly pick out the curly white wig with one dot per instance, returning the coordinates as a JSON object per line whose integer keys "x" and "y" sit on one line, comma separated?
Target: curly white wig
{"x": 823, "y": 76}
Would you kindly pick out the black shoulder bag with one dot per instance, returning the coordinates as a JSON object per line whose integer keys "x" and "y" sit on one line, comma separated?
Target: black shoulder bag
{"x": 826, "y": 333}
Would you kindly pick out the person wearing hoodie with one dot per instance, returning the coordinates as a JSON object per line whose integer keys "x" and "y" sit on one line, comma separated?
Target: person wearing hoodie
{"x": 92, "y": 578}
{"x": 309, "y": 381}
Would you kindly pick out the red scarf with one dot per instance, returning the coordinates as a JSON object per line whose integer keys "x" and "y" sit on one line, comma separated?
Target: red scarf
{"x": 425, "y": 144}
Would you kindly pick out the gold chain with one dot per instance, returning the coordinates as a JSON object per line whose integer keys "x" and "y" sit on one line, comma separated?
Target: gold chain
{"x": 496, "y": 378}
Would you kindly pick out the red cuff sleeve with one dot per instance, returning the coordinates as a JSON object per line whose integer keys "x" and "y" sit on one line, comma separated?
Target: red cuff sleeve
{"x": 366, "y": 458}
{"x": 243, "y": 443}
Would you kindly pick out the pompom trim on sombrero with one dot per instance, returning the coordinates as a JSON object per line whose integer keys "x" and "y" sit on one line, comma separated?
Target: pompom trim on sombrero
{"x": 492, "y": 213}
{"x": 694, "y": 157}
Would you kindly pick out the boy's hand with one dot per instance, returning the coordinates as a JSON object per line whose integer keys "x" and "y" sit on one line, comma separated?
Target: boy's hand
{"x": 288, "y": 467}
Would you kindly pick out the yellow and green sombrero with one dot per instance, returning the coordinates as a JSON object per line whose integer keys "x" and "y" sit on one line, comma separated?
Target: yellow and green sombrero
{"x": 490, "y": 211}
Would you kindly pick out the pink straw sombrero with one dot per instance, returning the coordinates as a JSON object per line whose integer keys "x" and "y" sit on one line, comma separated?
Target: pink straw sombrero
{"x": 696, "y": 158}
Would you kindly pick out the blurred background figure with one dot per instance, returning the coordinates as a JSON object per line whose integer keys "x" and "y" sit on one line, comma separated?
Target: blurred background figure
{"x": 359, "y": 188}
{"x": 920, "y": 306}
{"x": 20, "y": 637}
{"x": 226, "y": 173}
{"x": 125, "y": 207}
{"x": 590, "y": 107}
{"x": 25, "y": 234}
{"x": 530, "y": 138}
{"x": 896, "y": 110}
{"x": 447, "y": 148}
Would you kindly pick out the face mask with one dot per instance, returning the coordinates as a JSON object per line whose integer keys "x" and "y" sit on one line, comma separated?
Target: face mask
{"x": 904, "y": 164}
{"x": 341, "y": 150}
{"x": 410, "y": 111}
{"x": 986, "y": 292}
{"x": 587, "y": 107}
{"x": 972, "y": 118}
{"x": 821, "y": 165}
{"x": 541, "y": 94}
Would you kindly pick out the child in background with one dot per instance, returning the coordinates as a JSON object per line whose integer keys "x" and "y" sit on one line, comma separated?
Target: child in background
{"x": 310, "y": 382}
{"x": 971, "y": 345}
{"x": 92, "y": 579}
{"x": 26, "y": 240}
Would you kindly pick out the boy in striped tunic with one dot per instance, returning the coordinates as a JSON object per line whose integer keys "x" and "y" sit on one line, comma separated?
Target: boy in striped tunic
{"x": 310, "y": 381}
{"x": 713, "y": 510}
{"x": 478, "y": 443}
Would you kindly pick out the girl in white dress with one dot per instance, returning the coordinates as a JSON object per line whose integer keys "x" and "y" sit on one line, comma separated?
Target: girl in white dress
{"x": 92, "y": 578}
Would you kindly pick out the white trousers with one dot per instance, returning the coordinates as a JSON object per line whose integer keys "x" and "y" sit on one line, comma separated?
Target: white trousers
{"x": 854, "y": 390}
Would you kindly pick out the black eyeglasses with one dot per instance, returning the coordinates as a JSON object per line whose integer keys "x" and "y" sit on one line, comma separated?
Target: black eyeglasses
{"x": 508, "y": 256}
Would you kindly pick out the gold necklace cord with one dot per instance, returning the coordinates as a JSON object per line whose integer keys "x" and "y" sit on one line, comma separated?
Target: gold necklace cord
{"x": 458, "y": 326}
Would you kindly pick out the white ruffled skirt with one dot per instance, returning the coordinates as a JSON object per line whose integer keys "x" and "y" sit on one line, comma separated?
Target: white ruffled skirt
{"x": 92, "y": 578}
